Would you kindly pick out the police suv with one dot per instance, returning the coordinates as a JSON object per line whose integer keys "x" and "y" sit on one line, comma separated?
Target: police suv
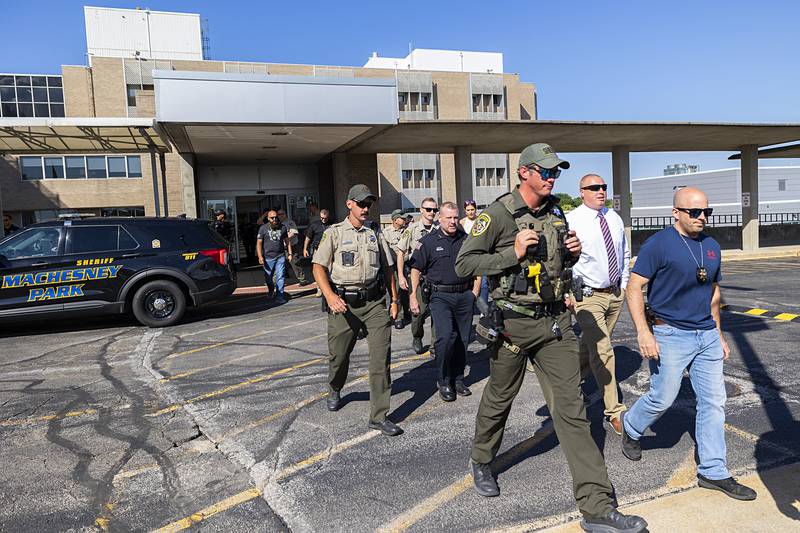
{"x": 152, "y": 267}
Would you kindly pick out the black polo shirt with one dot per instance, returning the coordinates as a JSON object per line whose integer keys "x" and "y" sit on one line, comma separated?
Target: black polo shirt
{"x": 435, "y": 256}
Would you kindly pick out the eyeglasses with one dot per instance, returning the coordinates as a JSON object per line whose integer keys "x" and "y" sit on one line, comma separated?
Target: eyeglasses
{"x": 694, "y": 212}
{"x": 546, "y": 173}
{"x": 596, "y": 187}
{"x": 364, "y": 204}
{"x": 431, "y": 209}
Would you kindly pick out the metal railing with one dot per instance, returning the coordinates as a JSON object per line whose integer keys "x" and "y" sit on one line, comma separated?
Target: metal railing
{"x": 651, "y": 223}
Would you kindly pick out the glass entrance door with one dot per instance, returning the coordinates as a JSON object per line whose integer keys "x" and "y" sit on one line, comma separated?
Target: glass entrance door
{"x": 212, "y": 205}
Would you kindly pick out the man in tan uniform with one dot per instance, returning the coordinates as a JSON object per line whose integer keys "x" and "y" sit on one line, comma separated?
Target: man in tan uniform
{"x": 405, "y": 247}
{"x": 393, "y": 235}
{"x": 347, "y": 267}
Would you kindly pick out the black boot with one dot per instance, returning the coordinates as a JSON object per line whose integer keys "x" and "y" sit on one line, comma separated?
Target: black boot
{"x": 484, "y": 480}
{"x": 631, "y": 448}
{"x": 333, "y": 401}
{"x": 613, "y": 522}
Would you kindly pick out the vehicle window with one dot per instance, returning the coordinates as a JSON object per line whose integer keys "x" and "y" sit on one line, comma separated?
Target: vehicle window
{"x": 93, "y": 239}
{"x": 34, "y": 242}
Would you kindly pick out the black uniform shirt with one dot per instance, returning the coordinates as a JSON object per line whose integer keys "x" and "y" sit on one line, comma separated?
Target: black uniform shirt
{"x": 435, "y": 256}
{"x": 314, "y": 232}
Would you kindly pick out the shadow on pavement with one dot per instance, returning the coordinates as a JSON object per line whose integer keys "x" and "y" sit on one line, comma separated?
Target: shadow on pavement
{"x": 785, "y": 428}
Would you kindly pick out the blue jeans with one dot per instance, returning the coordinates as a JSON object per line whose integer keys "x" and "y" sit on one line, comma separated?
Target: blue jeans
{"x": 677, "y": 349}
{"x": 275, "y": 267}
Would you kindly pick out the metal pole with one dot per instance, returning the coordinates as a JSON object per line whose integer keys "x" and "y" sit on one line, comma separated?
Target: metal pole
{"x": 155, "y": 179}
{"x": 163, "y": 160}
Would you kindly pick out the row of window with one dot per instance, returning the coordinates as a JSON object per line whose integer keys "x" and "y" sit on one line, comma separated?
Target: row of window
{"x": 419, "y": 179}
{"x": 31, "y": 96}
{"x": 487, "y": 103}
{"x": 414, "y": 101}
{"x": 44, "y": 242}
{"x": 80, "y": 167}
{"x": 490, "y": 177}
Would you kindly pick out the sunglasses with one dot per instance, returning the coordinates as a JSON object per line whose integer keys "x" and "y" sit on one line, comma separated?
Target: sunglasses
{"x": 596, "y": 187}
{"x": 273, "y": 218}
{"x": 470, "y": 203}
{"x": 364, "y": 204}
{"x": 547, "y": 173}
{"x": 694, "y": 212}
{"x": 431, "y": 209}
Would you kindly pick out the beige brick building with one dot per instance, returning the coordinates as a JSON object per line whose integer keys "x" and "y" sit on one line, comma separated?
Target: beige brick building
{"x": 246, "y": 163}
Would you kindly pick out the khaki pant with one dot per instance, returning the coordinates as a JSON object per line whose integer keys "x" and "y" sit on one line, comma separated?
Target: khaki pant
{"x": 342, "y": 332}
{"x": 557, "y": 368}
{"x": 597, "y": 315}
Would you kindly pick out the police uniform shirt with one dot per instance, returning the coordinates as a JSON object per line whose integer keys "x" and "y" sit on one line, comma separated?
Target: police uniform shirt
{"x": 272, "y": 240}
{"x": 408, "y": 241}
{"x": 315, "y": 231}
{"x": 353, "y": 256}
{"x": 435, "y": 256}
{"x": 393, "y": 237}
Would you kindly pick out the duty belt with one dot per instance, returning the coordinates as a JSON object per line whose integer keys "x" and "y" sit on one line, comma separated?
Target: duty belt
{"x": 365, "y": 294}
{"x": 459, "y": 287}
{"x": 535, "y": 311}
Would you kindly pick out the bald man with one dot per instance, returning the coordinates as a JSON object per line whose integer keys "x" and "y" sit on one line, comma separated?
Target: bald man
{"x": 681, "y": 267}
{"x": 604, "y": 268}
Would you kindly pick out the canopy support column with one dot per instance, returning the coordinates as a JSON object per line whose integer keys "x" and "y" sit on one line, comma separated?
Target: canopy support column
{"x": 464, "y": 182}
{"x": 154, "y": 170}
{"x": 162, "y": 159}
{"x": 621, "y": 169}
{"x": 749, "y": 167}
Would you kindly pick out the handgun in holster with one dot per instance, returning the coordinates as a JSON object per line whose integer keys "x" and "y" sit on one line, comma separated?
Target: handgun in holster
{"x": 490, "y": 325}
{"x": 649, "y": 316}
{"x": 576, "y": 286}
{"x": 425, "y": 291}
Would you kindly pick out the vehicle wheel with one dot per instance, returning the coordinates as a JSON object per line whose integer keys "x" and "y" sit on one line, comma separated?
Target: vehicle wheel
{"x": 159, "y": 303}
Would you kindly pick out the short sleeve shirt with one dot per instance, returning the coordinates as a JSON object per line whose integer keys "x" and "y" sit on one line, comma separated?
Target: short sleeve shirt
{"x": 408, "y": 241}
{"x": 393, "y": 236}
{"x": 353, "y": 256}
{"x": 315, "y": 231}
{"x": 272, "y": 240}
{"x": 670, "y": 261}
{"x": 435, "y": 256}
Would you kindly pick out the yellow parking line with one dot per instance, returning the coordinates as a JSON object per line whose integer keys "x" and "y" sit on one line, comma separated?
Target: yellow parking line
{"x": 211, "y": 510}
{"x": 786, "y": 316}
{"x": 232, "y": 324}
{"x": 251, "y": 336}
{"x": 755, "y": 312}
{"x": 45, "y": 418}
{"x": 237, "y": 386}
{"x": 234, "y": 360}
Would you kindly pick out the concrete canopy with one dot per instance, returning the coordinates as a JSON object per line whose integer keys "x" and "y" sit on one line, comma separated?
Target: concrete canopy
{"x": 442, "y": 136}
{"x": 778, "y": 152}
{"x": 79, "y": 135}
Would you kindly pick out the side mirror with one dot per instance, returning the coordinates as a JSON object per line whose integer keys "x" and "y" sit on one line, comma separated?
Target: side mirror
{"x": 4, "y": 262}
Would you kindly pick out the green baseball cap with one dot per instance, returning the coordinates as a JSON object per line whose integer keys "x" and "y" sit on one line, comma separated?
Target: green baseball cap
{"x": 360, "y": 192}
{"x": 398, "y": 213}
{"x": 542, "y": 155}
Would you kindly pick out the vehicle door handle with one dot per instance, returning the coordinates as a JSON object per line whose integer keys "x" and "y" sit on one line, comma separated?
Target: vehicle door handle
{"x": 128, "y": 256}
{"x": 40, "y": 264}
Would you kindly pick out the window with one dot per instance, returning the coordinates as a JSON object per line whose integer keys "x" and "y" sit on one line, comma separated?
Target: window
{"x": 414, "y": 101}
{"x": 490, "y": 177}
{"x": 31, "y": 168}
{"x": 95, "y": 239}
{"x": 131, "y": 92}
{"x": 782, "y": 185}
{"x": 134, "y": 166}
{"x": 96, "y": 166}
{"x": 116, "y": 167}
{"x": 122, "y": 212}
{"x": 76, "y": 167}
{"x": 479, "y": 177}
{"x": 407, "y": 179}
{"x": 35, "y": 242}
{"x": 31, "y": 96}
{"x": 53, "y": 167}
{"x": 80, "y": 167}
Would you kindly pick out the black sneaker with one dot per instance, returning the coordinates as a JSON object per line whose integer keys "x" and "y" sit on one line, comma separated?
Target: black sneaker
{"x": 613, "y": 522}
{"x": 729, "y": 486}
{"x": 631, "y": 448}
{"x": 484, "y": 480}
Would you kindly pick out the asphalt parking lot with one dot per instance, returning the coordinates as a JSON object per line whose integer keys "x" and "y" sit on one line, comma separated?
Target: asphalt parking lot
{"x": 219, "y": 424}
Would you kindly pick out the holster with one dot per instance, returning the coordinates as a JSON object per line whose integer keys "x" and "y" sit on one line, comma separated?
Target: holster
{"x": 425, "y": 291}
{"x": 650, "y": 316}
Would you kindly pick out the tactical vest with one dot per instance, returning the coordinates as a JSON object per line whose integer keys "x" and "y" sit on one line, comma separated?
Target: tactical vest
{"x": 553, "y": 226}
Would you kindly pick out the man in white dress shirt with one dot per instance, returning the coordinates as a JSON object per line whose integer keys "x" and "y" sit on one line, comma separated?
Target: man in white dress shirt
{"x": 604, "y": 266}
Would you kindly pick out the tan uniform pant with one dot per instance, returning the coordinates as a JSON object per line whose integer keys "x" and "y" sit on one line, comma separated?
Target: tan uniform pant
{"x": 342, "y": 332}
{"x": 597, "y": 315}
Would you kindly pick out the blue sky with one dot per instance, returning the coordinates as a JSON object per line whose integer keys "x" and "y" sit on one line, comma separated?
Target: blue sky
{"x": 730, "y": 61}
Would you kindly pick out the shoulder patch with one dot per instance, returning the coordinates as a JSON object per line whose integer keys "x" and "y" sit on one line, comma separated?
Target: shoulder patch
{"x": 481, "y": 224}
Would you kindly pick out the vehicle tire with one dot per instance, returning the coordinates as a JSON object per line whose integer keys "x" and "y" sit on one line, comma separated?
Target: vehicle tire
{"x": 159, "y": 303}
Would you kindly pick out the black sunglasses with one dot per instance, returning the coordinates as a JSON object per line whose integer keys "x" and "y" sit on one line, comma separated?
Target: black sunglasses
{"x": 364, "y": 204}
{"x": 596, "y": 187}
{"x": 694, "y": 212}
{"x": 431, "y": 209}
{"x": 547, "y": 173}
